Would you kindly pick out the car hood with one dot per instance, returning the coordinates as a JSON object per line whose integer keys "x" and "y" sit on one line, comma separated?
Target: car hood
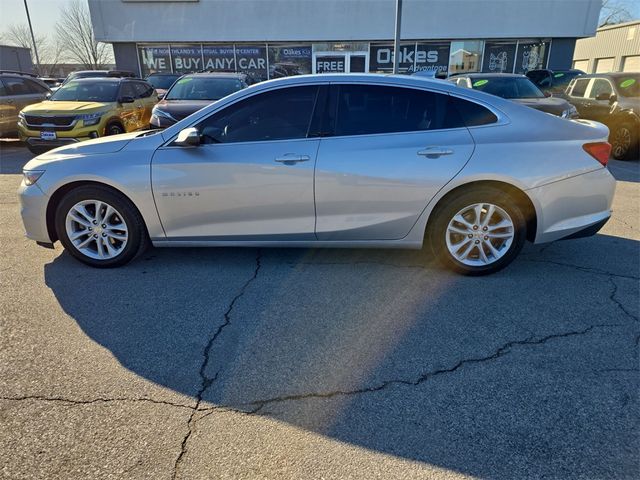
{"x": 49, "y": 107}
{"x": 97, "y": 146}
{"x": 553, "y": 105}
{"x": 180, "y": 109}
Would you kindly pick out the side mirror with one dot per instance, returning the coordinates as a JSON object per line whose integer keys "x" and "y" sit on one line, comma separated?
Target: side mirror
{"x": 161, "y": 95}
{"x": 613, "y": 98}
{"x": 126, "y": 100}
{"x": 189, "y": 137}
{"x": 603, "y": 96}
{"x": 48, "y": 95}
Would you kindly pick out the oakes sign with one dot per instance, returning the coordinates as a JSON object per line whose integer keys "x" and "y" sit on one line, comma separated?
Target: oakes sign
{"x": 413, "y": 58}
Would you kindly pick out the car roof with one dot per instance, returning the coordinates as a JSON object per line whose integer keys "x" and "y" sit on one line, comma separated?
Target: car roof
{"x": 105, "y": 79}
{"x": 490, "y": 75}
{"x": 610, "y": 75}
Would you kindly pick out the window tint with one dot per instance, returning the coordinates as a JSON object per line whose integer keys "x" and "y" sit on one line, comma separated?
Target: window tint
{"x": 276, "y": 115}
{"x": 16, "y": 86}
{"x": 128, "y": 90}
{"x": 599, "y": 87}
{"x": 580, "y": 87}
{"x": 371, "y": 109}
{"x": 35, "y": 87}
{"x": 471, "y": 113}
{"x": 143, "y": 90}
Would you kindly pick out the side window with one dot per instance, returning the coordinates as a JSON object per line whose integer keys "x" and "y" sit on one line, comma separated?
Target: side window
{"x": 143, "y": 90}
{"x": 128, "y": 90}
{"x": 3, "y": 90}
{"x": 471, "y": 113}
{"x": 374, "y": 109}
{"x": 580, "y": 87}
{"x": 600, "y": 86}
{"x": 462, "y": 82}
{"x": 35, "y": 87}
{"x": 281, "y": 114}
{"x": 16, "y": 86}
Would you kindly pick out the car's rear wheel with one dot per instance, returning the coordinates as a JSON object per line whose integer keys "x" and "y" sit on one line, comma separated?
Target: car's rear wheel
{"x": 100, "y": 227}
{"x": 624, "y": 142}
{"x": 478, "y": 232}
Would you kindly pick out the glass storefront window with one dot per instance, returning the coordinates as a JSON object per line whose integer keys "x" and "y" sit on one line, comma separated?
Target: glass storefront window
{"x": 465, "y": 56}
{"x": 499, "y": 57}
{"x": 531, "y": 56}
{"x": 154, "y": 59}
{"x": 287, "y": 60}
{"x": 219, "y": 58}
{"x": 432, "y": 56}
{"x": 252, "y": 60}
{"x": 381, "y": 57}
{"x": 186, "y": 58}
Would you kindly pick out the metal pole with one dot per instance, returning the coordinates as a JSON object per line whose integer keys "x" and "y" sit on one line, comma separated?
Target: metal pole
{"x": 396, "y": 41}
{"x": 33, "y": 38}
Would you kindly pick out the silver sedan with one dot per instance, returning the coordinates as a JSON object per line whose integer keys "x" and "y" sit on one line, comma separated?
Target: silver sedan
{"x": 330, "y": 161}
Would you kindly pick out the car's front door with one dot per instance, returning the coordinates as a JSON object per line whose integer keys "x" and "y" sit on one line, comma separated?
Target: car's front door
{"x": 577, "y": 96}
{"x": 390, "y": 152}
{"x": 251, "y": 178}
{"x": 599, "y": 99}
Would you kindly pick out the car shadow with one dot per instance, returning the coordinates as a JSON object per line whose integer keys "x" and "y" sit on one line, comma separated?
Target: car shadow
{"x": 493, "y": 376}
{"x": 626, "y": 171}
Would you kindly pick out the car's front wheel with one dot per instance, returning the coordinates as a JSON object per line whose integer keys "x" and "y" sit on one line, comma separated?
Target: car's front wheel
{"x": 478, "y": 232}
{"x": 100, "y": 227}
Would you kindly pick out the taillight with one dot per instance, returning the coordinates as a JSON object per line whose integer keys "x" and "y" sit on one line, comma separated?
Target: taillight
{"x": 600, "y": 151}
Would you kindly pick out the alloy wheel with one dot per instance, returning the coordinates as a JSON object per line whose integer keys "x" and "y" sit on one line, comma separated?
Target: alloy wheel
{"x": 96, "y": 229}
{"x": 480, "y": 234}
{"x": 621, "y": 142}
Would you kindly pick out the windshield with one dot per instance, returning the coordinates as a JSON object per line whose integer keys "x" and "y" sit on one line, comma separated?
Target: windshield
{"x": 562, "y": 79}
{"x": 507, "y": 87}
{"x": 75, "y": 91}
{"x": 162, "y": 81}
{"x": 628, "y": 86}
{"x": 203, "y": 88}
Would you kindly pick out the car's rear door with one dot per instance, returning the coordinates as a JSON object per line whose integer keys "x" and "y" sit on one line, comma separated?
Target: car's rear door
{"x": 390, "y": 151}
{"x": 130, "y": 112}
{"x": 250, "y": 179}
{"x": 146, "y": 99}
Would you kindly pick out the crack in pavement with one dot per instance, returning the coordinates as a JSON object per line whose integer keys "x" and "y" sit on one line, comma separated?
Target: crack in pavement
{"x": 612, "y": 297}
{"x": 72, "y": 401}
{"x": 499, "y": 352}
{"x": 595, "y": 271}
{"x": 206, "y": 381}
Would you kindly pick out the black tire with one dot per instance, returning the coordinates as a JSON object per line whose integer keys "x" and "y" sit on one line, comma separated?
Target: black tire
{"x": 137, "y": 241}
{"x": 114, "y": 129}
{"x": 436, "y": 237}
{"x": 620, "y": 134}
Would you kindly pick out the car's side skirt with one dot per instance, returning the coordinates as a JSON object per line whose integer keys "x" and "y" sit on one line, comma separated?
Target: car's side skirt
{"x": 403, "y": 244}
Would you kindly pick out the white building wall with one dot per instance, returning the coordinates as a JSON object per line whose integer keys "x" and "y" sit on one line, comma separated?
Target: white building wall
{"x": 318, "y": 20}
{"x": 615, "y": 41}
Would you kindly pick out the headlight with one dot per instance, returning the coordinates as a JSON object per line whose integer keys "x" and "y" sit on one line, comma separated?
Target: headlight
{"x": 160, "y": 113}
{"x": 89, "y": 119}
{"x": 31, "y": 176}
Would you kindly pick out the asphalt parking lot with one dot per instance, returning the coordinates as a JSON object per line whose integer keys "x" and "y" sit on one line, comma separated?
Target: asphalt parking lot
{"x": 334, "y": 364}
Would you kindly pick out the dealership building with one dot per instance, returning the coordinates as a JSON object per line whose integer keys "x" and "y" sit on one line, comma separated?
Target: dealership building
{"x": 274, "y": 38}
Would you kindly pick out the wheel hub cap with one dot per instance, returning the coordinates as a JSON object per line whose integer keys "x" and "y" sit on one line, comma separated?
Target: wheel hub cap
{"x": 479, "y": 234}
{"x": 96, "y": 229}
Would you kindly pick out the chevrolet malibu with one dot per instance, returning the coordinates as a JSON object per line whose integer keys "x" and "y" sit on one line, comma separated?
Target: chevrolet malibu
{"x": 330, "y": 161}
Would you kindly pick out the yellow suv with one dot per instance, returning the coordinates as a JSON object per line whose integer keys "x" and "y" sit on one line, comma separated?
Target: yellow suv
{"x": 87, "y": 108}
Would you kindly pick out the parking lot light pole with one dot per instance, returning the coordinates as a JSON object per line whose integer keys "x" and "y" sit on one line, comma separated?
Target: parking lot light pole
{"x": 396, "y": 41}
{"x": 33, "y": 38}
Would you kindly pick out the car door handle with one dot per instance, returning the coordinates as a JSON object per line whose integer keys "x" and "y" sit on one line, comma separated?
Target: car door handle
{"x": 435, "y": 152}
{"x": 292, "y": 158}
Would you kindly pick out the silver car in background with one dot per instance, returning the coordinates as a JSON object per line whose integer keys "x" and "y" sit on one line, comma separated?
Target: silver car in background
{"x": 330, "y": 161}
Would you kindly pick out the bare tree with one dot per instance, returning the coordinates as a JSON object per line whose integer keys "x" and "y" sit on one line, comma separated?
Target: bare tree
{"x": 51, "y": 52}
{"x": 614, "y": 11}
{"x": 75, "y": 33}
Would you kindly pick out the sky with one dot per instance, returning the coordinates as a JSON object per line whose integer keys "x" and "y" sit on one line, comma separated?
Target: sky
{"x": 45, "y": 13}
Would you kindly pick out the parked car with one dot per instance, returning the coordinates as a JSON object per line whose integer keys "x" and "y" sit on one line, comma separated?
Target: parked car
{"x": 87, "y": 108}
{"x": 52, "y": 83}
{"x": 517, "y": 88}
{"x": 354, "y": 160}
{"x": 613, "y": 99}
{"x": 192, "y": 92}
{"x": 553, "y": 81}
{"x": 162, "y": 82}
{"x": 99, "y": 74}
{"x": 17, "y": 90}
